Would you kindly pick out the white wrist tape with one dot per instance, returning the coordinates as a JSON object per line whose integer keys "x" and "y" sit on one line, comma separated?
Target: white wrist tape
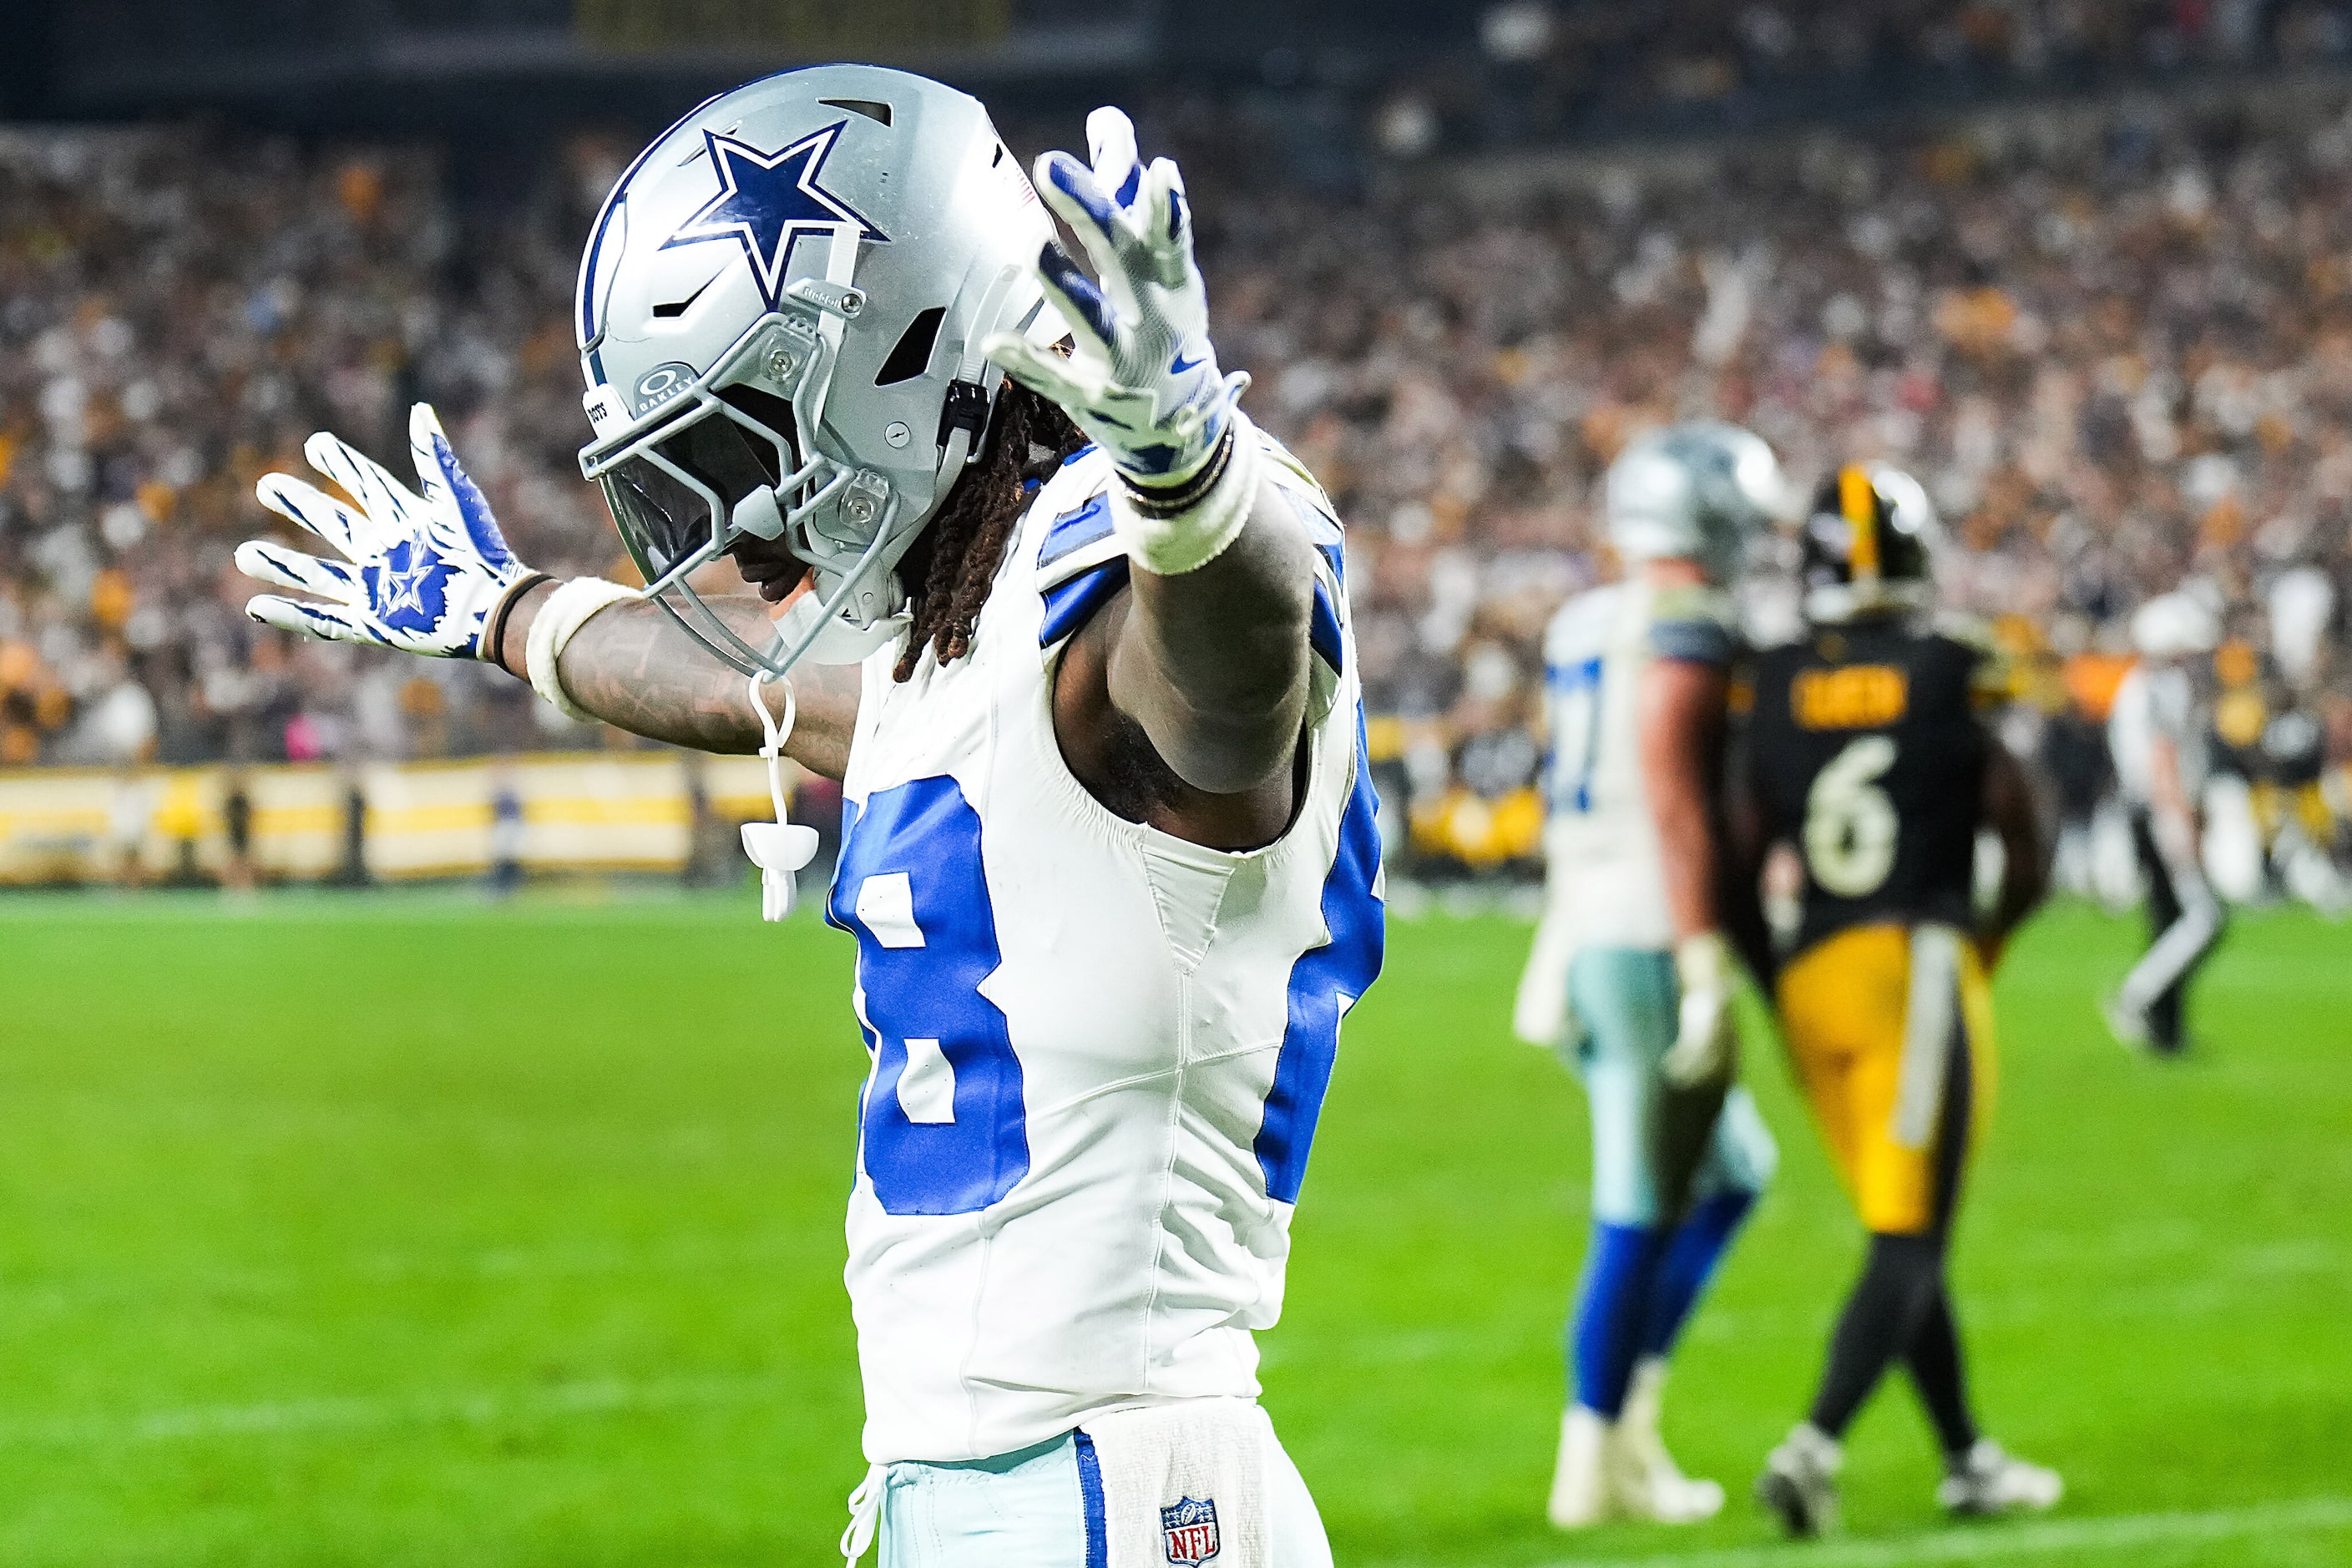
{"x": 1170, "y": 543}
{"x": 566, "y": 611}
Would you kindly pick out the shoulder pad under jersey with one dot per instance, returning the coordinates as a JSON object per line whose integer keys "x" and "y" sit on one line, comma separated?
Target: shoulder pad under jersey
{"x": 1700, "y": 624}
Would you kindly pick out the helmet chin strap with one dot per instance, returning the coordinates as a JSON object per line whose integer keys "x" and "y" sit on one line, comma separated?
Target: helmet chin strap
{"x": 782, "y": 847}
{"x": 835, "y": 640}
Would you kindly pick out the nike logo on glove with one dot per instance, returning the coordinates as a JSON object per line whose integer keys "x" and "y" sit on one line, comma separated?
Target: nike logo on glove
{"x": 1180, "y": 364}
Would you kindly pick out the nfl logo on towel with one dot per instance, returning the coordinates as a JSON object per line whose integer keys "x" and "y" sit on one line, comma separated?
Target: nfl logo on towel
{"x": 1191, "y": 1531}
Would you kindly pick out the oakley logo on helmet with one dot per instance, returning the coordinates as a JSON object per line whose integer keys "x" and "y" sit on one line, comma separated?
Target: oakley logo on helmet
{"x": 767, "y": 201}
{"x": 660, "y": 385}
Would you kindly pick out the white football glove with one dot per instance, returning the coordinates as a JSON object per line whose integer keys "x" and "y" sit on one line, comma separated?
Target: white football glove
{"x": 425, "y": 571}
{"x": 1142, "y": 382}
{"x": 1707, "y": 1045}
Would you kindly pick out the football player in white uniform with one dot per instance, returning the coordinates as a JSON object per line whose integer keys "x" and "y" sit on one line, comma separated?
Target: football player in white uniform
{"x": 1632, "y": 971}
{"x": 2157, "y": 735}
{"x": 1076, "y": 644}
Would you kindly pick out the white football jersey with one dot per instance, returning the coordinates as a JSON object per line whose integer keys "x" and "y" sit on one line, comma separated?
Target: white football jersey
{"x": 2155, "y": 701}
{"x": 1098, "y": 1051}
{"x": 1603, "y": 883}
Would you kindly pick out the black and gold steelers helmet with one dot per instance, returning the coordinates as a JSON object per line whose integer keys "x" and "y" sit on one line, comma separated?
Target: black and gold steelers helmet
{"x": 1869, "y": 547}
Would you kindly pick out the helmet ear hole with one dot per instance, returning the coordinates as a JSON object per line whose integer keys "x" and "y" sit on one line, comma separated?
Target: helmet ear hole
{"x": 912, "y": 355}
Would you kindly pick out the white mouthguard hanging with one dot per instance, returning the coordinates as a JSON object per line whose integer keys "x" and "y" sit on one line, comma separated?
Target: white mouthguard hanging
{"x": 782, "y": 847}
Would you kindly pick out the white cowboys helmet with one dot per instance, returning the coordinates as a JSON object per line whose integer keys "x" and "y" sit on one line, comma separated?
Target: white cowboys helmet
{"x": 1699, "y": 490}
{"x": 780, "y": 316}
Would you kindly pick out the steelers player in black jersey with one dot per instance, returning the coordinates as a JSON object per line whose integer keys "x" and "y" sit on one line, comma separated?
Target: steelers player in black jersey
{"x": 1865, "y": 753}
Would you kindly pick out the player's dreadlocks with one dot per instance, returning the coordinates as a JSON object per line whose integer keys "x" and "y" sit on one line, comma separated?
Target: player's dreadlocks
{"x": 1028, "y": 440}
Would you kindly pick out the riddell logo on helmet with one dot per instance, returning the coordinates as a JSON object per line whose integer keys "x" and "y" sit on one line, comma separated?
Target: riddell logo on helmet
{"x": 604, "y": 415}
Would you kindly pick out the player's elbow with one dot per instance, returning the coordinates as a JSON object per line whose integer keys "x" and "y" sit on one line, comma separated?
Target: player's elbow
{"x": 1237, "y": 767}
{"x": 1246, "y": 731}
{"x": 2026, "y": 862}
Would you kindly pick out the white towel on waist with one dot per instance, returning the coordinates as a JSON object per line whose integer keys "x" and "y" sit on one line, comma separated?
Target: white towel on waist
{"x": 1929, "y": 1021}
{"x": 1185, "y": 1484}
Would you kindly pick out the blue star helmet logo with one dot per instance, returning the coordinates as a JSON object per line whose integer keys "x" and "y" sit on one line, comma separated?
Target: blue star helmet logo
{"x": 767, "y": 201}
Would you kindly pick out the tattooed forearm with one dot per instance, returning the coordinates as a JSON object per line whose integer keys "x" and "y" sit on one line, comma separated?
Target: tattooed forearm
{"x": 634, "y": 667}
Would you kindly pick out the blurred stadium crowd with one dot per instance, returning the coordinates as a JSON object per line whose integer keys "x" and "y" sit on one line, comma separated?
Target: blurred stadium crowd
{"x": 2117, "y": 349}
{"x": 177, "y": 312}
{"x": 1600, "y": 68}
{"x": 2120, "y": 360}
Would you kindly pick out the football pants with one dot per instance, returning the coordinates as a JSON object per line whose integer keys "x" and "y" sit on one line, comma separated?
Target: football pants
{"x": 1655, "y": 1149}
{"x": 1892, "y": 1034}
{"x": 1029, "y": 1509}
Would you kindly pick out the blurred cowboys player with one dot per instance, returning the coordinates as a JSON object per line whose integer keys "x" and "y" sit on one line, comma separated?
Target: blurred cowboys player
{"x": 1632, "y": 971}
{"x": 1074, "y": 642}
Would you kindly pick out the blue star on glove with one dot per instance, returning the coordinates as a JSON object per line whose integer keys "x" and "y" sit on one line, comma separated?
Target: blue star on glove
{"x": 420, "y": 573}
{"x": 1142, "y": 380}
{"x": 410, "y": 572}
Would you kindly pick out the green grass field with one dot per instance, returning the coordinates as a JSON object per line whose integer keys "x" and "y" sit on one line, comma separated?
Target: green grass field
{"x": 409, "y": 1231}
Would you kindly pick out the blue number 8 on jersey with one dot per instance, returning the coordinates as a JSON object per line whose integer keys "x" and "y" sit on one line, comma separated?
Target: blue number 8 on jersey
{"x": 945, "y": 1130}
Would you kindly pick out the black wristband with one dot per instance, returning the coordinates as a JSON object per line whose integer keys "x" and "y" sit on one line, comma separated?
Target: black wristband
{"x": 1170, "y": 500}
{"x": 493, "y": 648}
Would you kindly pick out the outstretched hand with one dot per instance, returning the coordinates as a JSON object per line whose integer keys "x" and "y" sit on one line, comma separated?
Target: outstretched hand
{"x": 1142, "y": 379}
{"x": 418, "y": 573}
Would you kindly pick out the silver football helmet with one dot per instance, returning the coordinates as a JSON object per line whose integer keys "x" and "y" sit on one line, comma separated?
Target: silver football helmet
{"x": 2175, "y": 625}
{"x": 1700, "y": 489}
{"x": 779, "y": 315}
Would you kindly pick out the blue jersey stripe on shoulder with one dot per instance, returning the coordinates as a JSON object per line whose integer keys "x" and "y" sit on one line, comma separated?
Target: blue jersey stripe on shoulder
{"x": 1074, "y": 604}
{"x": 1074, "y": 530}
{"x": 1323, "y": 631}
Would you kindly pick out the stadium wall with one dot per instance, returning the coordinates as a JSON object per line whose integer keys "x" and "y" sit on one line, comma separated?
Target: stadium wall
{"x": 577, "y": 813}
